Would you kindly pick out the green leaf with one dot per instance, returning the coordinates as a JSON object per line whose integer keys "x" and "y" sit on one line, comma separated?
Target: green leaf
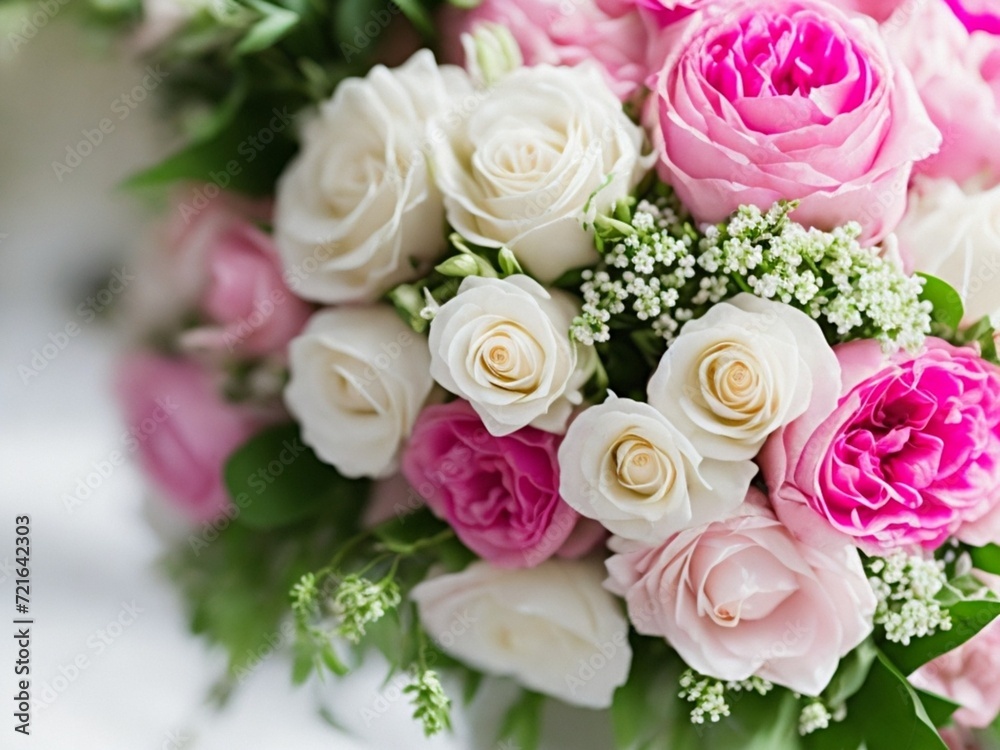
{"x": 415, "y": 11}
{"x": 938, "y": 708}
{"x": 234, "y": 158}
{"x": 523, "y": 723}
{"x": 982, "y": 332}
{"x": 968, "y": 617}
{"x": 409, "y": 530}
{"x": 851, "y": 674}
{"x": 948, "y": 307}
{"x": 986, "y": 559}
{"x": 276, "y": 23}
{"x": 275, "y": 480}
{"x": 889, "y": 713}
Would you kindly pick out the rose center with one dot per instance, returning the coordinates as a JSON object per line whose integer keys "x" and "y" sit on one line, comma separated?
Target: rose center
{"x": 731, "y": 383}
{"x": 507, "y": 358}
{"x": 642, "y": 468}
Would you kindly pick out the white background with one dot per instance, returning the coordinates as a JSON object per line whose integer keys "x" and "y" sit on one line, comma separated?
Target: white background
{"x": 145, "y": 689}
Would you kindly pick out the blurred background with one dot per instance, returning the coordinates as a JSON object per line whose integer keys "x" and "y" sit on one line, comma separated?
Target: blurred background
{"x": 113, "y": 666}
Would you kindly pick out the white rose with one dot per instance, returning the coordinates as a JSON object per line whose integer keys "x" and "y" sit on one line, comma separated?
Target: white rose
{"x": 553, "y": 628}
{"x": 357, "y": 209}
{"x": 955, "y": 236}
{"x": 520, "y": 169}
{"x": 359, "y": 377}
{"x": 744, "y": 369}
{"x": 623, "y": 464}
{"x": 503, "y": 345}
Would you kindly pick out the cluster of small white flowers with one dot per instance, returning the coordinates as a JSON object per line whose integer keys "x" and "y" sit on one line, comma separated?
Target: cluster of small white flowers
{"x": 652, "y": 266}
{"x": 359, "y": 602}
{"x": 709, "y": 695}
{"x": 659, "y": 277}
{"x": 815, "y": 715}
{"x": 779, "y": 259}
{"x": 906, "y": 587}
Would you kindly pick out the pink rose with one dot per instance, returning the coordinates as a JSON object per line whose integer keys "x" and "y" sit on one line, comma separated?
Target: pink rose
{"x": 977, "y": 15}
{"x": 761, "y": 101}
{"x": 500, "y": 494}
{"x": 559, "y": 32}
{"x": 218, "y": 260}
{"x": 182, "y": 429}
{"x": 245, "y": 296}
{"x": 667, "y": 12}
{"x": 958, "y": 78}
{"x": 742, "y": 597}
{"x": 911, "y": 454}
{"x": 968, "y": 674}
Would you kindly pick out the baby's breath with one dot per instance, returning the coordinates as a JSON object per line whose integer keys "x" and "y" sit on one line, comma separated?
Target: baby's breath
{"x": 709, "y": 695}
{"x": 906, "y": 587}
{"x": 657, "y": 272}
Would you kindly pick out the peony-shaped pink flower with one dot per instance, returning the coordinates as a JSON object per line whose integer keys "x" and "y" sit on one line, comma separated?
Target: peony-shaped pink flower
{"x": 968, "y": 674}
{"x": 957, "y": 74}
{"x": 763, "y": 101}
{"x": 500, "y": 494}
{"x": 743, "y": 596}
{"x": 911, "y": 454}
{"x": 182, "y": 430}
{"x": 977, "y": 15}
{"x": 559, "y": 32}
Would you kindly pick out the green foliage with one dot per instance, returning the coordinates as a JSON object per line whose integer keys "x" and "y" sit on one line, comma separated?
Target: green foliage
{"x": 522, "y": 724}
{"x": 276, "y": 480}
{"x": 948, "y": 308}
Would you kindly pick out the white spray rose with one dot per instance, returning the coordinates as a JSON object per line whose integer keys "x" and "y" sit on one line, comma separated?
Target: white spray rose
{"x": 521, "y": 168}
{"x": 503, "y": 345}
{"x": 359, "y": 377}
{"x": 357, "y": 209}
{"x": 623, "y": 464}
{"x": 743, "y": 370}
{"x": 955, "y": 235}
{"x": 553, "y": 628}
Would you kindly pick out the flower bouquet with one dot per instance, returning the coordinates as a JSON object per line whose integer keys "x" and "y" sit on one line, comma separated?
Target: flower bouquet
{"x": 640, "y": 352}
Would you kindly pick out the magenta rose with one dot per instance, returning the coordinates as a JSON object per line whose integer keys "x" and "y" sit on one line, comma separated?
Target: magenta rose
{"x": 958, "y": 77}
{"x": 559, "y": 32}
{"x": 182, "y": 430}
{"x": 743, "y": 596}
{"x": 500, "y": 494}
{"x": 910, "y": 456}
{"x": 977, "y": 15}
{"x": 762, "y": 101}
{"x": 967, "y": 675}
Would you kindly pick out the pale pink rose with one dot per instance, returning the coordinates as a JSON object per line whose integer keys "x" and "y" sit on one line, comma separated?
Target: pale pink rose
{"x": 958, "y": 78}
{"x": 743, "y": 596}
{"x": 977, "y": 15}
{"x": 183, "y": 430}
{"x": 249, "y": 306}
{"x": 500, "y": 494}
{"x": 910, "y": 455}
{"x": 559, "y": 32}
{"x": 968, "y": 674}
{"x": 763, "y": 101}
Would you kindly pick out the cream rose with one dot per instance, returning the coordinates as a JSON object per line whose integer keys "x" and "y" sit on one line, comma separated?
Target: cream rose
{"x": 955, "y": 235}
{"x": 359, "y": 377}
{"x": 741, "y": 371}
{"x": 623, "y": 464}
{"x": 503, "y": 345}
{"x": 522, "y": 166}
{"x": 553, "y": 628}
{"x": 357, "y": 210}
